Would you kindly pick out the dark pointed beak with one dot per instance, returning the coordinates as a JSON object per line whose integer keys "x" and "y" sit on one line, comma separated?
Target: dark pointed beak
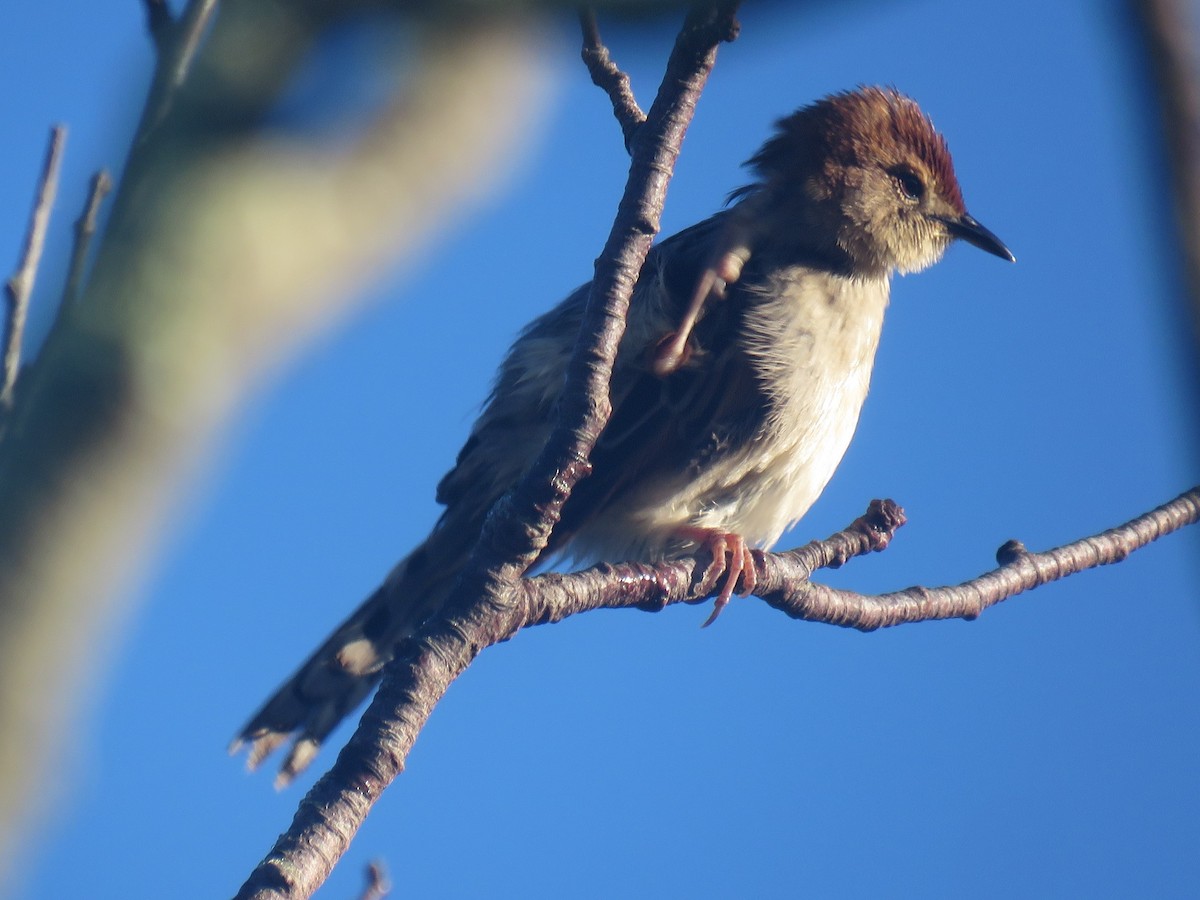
{"x": 972, "y": 232}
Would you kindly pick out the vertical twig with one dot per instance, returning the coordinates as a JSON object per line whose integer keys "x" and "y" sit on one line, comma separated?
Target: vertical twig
{"x": 85, "y": 227}
{"x": 20, "y": 286}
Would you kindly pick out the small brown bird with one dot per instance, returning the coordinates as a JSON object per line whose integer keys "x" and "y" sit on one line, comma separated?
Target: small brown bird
{"x": 737, "y": 388}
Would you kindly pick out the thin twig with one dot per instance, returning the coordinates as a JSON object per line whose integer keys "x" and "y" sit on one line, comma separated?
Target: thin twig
{"x": 20, "y": 286}
{"x": 120, "y": 409}
{"x": 193, "y": 24}
{"x": 783, "y": 578}
{"x": 519, "y": 527}
{"x": 85, "y": 227}
{"x": 174, "y": 63}
{"x": 1019, "y": 571}
{"x": 607, "y": 76}
{"x": 159, "y": 22}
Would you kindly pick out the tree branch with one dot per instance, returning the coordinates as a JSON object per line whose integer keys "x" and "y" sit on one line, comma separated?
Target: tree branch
{"x": 1169, "y": 29}
{"x": 481, "y": 608}
{"x": 783, "y": 578}
{"x": 609, "y": 78}
{"x": 227, "y": 247}
{"x": 85, "y": 228}
{"x": 425, "y": 670}
{"x": 19, "y": 287}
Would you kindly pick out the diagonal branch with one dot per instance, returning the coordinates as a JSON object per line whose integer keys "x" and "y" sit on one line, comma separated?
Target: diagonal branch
{"x": 783, "y": 583}
{"x": 783, "y": 579}
{"x": 519, "y": 527}
{"x": 607, "y": 76}
{"x": 159, "y": 21}
{"x": 177, "y": 43}
{"x": 20, "y": 285}
{"x": 209, "y": 271}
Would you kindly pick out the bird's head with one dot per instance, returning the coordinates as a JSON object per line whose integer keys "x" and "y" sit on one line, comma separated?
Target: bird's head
{"x": 864, "y": 175}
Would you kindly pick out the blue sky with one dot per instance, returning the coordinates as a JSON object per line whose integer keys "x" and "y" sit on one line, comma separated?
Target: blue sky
{"x": 1047, "y": 749}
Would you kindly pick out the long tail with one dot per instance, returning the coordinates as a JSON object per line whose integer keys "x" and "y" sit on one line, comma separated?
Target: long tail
{"x": 348, "y": 665}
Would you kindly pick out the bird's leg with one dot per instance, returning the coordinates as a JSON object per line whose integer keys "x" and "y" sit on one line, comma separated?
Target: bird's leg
{"x": 732, "y": 559}
{"x": 672, "y": 351}
{"x": 723, "y": 269}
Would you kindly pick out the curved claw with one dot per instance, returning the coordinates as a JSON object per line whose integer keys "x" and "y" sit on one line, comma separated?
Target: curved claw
{"x": 732, "y": 560}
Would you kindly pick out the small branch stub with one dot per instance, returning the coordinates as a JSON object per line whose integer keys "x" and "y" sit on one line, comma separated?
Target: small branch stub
{"x": 1010, "y": 552}
{"x": 85, "y": 227}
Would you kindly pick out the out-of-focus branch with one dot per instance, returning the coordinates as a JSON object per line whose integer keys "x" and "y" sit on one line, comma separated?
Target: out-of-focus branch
{"x": 177, "y": 43}
{"x": 1170, "y": 30}
{"x": 85, "y": 228}
{"x": 226, "y": 248}
{"x": 19, "y": 287}
{"x": 481, "y": 608}
{"x": 609, "y": 78}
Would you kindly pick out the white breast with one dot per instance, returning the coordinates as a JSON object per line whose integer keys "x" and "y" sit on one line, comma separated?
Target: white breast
{"x": 813, "y": 340}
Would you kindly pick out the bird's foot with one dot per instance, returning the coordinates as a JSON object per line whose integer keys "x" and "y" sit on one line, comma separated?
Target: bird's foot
{"x": 732, "y": 560}
{"x": 673, "y": 351}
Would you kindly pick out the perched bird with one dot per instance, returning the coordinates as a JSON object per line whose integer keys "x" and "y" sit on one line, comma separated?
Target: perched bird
{"x": 737, "y": 387}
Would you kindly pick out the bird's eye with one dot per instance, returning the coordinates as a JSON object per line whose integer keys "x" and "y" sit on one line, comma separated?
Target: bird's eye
{"x": 910, "y": 183}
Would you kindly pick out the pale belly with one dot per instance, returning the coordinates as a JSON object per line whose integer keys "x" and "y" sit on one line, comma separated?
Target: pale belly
{"x": 813, "y": 342}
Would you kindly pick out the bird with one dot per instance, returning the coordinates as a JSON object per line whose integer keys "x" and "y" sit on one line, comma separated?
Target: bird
{"x": 737, "y": 387}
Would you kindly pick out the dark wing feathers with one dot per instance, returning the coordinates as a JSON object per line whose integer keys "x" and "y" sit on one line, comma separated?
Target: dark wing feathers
{"x": 656, "y": 423}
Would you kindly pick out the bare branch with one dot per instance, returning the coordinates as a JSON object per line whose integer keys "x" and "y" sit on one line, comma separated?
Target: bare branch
{"x": 607, "y": 76}
{"x": 654, "y": 586}
{"x": 426, "y": 667}
{"x": 85, "y": 227}
{"x": 208, "y": 274}
{"x": 1019, "y": 572}
{"x": 783, "y": 578}
{"x": 519, "y": 527}
{"x": 20, "y": 286}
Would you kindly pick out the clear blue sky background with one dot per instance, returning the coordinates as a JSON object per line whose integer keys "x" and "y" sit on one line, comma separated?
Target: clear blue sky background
{"x": 1048, "y": 749}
